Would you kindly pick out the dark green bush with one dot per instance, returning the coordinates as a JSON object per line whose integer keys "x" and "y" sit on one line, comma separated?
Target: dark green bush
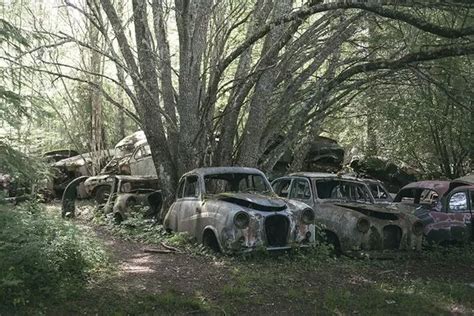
{"x": 43, "y": 258}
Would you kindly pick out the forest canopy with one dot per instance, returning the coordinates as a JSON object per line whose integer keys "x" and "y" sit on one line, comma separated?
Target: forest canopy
{"x": 241, "y": 82}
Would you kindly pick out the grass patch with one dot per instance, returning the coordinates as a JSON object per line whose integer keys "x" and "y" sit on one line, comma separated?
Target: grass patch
{"x": 43, "y": 258}
{"x": 414, "y": 298}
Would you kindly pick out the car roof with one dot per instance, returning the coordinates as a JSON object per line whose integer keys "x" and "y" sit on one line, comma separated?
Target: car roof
{"x": 137, "y": 178}
{"x": 467, "y": 179}
{"x": 464, "y": 187}
{"x": 439, "y": 186}
{"x": 221, "y": 170}
{"x": 324, "y": 175}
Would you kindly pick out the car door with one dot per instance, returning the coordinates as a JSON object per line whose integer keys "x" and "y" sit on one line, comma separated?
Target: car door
{"x": 173, "y": 215}
{"x": 141, "y": 162}
{"x": 190, "y": 208}
{"x": 301, "y": 190}
{"x": 459, "y": 210}
{"x": 281, "y": 187}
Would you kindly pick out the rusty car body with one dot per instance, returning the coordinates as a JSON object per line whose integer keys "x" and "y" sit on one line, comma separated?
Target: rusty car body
{"x": 68, "y": 169}
{"x": 60, "y": 154}
{"x": 133, "y": 193}
{"x": 123, "y": 150}
{"x": 350, "y": 219}
{"x": 445, "y": 208}
{"x": 132, "y": 157}
{"x": 234, "y": 210}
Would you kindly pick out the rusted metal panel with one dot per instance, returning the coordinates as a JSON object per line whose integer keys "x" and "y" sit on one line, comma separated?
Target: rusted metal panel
{"x": 133, "y": 192}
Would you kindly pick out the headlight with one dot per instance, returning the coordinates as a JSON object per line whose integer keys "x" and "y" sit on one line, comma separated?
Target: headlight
{"x": 307, "y": 216}
{"x": 241, "y": 220}
{"x": 363, "y": 225}
{"x": 418, "y": 228}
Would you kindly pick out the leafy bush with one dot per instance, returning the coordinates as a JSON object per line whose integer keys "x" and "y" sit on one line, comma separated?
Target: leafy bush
{"x": 43, "y": 258}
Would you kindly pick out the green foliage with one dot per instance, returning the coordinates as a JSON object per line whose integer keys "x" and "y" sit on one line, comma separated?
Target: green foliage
{"x": 12, "y": 34}
{"x": 26, "y": 170}
{"x": 43, "y": 258}
{"x": 136, "y": 228}
{"x": 414, "y": 297}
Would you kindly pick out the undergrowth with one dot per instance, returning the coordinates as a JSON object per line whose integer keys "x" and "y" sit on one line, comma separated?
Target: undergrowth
{"x": 148, "y": 231}
{"x": 43, "y": 258}
{"x": 136, "y": 228}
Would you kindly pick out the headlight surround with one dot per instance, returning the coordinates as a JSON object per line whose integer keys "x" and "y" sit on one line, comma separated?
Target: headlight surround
{"x": 418, "y": 228}
{"x": 241, "y": 220}
{"x": 307, "y": 216}
{"x": 363, "y": 225}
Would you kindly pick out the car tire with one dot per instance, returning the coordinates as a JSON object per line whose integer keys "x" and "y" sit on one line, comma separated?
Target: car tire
{"x": 209, "y": 240}
{"x": 331, "y": 239}
{"x": 102, "y": 194}
{"x": 118, "y": 218}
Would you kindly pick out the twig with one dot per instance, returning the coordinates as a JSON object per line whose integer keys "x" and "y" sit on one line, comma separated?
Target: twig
{"x": 153, "y": 250}
{"x": 169, "y": 247}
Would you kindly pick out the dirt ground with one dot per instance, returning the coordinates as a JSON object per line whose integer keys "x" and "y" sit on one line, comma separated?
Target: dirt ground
{"x": 184, "y": 283}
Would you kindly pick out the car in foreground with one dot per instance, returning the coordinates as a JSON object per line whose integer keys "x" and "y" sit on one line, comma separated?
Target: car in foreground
{"x": 234, "y": 210}
{"x": 350, "y": 219}
{"x": 444, "y": 207}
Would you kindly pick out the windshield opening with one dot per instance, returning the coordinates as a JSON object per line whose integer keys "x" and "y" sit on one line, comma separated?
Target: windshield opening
{"x": 236, "y": 182}
{"x": 342, "y": 190}
{"x": 418, "y": 196}
{"x": 378, "y": 192}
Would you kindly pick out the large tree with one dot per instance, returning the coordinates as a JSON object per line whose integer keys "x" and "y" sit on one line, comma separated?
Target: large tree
{"x": 247, "y": 80}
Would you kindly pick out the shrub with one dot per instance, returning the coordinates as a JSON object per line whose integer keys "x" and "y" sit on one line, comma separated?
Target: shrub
{"x": 43, "y": 258}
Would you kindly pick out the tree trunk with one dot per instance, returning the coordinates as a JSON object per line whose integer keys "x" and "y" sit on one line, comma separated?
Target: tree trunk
{"x": 243, "y": 85}
{"x": 95, "y": 100}
{"x": 192, "y": 18}
{"x": 250, "y": 151}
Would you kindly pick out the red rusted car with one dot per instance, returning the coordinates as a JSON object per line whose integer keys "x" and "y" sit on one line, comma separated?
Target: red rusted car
{"x": 445, "y": 208}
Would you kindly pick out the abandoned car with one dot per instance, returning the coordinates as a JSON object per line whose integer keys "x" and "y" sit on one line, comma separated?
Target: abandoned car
{"x": 133, "y": 193}
{"x": 123, "y": 150}
{"x": 234, "y": 210}
{"x": 444, "y": 207}
{"x": 350, "y": 219}
{"x": 68, "y": 169}
{"x": 132, "y": 157}
{"x": 57, "y": 155}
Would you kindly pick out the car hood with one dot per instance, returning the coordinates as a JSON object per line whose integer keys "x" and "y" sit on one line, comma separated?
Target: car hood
{"x": 370, "y": 210}
{"x": 254, "y": 201}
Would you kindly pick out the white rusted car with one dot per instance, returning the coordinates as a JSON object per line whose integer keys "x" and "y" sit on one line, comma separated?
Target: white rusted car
{"x": 234, "y": 209}
{"x": 352, "y": 221}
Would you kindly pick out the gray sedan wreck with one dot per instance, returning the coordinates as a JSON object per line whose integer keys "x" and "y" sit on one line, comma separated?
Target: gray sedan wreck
{"x": 352, "y": 221}
{"x": 233, "y": 210}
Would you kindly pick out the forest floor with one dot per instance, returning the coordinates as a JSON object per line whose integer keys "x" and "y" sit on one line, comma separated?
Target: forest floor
{"x": 435, "y": 282}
